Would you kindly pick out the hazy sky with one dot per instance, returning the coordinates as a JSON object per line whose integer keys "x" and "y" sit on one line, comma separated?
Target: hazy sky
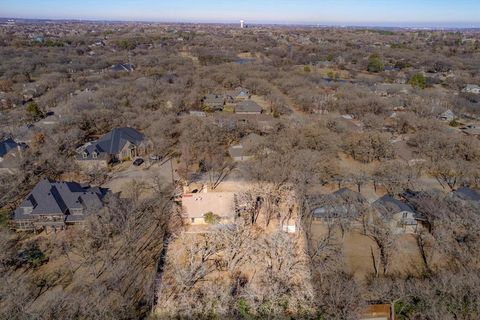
{"x": 356, "y": 12}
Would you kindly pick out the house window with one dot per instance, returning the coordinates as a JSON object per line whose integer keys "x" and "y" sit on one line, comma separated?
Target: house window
{"x": 85, "y": 155}
{"x": 94, "y": 155}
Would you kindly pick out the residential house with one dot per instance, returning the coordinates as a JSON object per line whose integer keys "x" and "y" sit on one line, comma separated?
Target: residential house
{"x": 213, "y": 102}
{"x": 196, "y": 205}
{"x": 237, "y": 95}
{"x": 244, "y": 149}
{"x": 341, "y": 203}
{"x": 447, "y": 116}
{"x": 472, "y": 88}
{"x": 468, "y": 194}
{"x": 262, "y": 122}
{"x": 400, "y": 216}
{"x": 123, "y": 67}
{"x": 120, "y": 144}
{"x": 54, "y": 205}
{"x": 248, "y": 107}
{"x": 10, "y": 153}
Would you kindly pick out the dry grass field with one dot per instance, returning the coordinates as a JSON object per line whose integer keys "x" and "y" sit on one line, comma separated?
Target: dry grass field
{"x": 357, "y": 251}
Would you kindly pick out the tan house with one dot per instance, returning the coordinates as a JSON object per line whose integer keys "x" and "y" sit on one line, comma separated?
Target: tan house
{"x": 196, "y": 206}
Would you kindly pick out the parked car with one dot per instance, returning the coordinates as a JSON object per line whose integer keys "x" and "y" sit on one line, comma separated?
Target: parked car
{"x": 138, "y": 162}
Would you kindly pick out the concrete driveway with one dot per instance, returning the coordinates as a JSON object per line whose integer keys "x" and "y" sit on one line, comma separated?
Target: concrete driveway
{"x": 144, "y": 175}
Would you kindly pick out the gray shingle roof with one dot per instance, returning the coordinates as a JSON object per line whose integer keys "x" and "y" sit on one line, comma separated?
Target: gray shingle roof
{"x": 467, "y": 194}
{"x": 50, "y": 197}
{"x": 113, "y": 142}
{"x": 239, "y": 92}
{"x": 347, "y": 194}
{"x": 6, "y": 146}
{"x": 388, "y": 205}
{"x": 214, "y": 100}
{"x": 339, "y": 203}
{"x": 248, "y": 106}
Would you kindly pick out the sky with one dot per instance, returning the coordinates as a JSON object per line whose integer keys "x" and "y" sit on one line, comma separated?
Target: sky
{"x": 416, "y": 13}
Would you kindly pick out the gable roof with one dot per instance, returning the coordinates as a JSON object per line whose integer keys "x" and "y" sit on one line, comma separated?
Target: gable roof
{"x": 239, "y": 92}
{"x": 248, "y": 106}
{"x": 113, "y": 142}
{"x": 346, "y": 194}
{"x": 388, "y": 206}
{"x": 6, "y": 146}
{"x": 214, "y": 100}
{"x": 341, "y": 202}
{"x": 50, "y": 197}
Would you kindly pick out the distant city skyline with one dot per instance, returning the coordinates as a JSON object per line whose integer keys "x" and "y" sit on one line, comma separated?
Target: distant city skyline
{"x": 388, "y": 13}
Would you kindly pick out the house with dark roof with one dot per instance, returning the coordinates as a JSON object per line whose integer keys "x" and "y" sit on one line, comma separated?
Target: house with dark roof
{"x": 213, "y": 102}
{"x": 343, "y": 203}
{"x": 120, "y": 144}
{"x": 248, "y": 107}
{"x": 467, "y": 194}
{"x": 245, "y": 148}
{"x": 400, "y": 216}
{"x": 262, "y": 122}
{"x": 10, "y": 153}
{"x": 54, "y": 205}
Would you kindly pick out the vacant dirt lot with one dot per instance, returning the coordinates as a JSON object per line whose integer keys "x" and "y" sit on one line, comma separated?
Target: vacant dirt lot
{"x": 358, "y": 258}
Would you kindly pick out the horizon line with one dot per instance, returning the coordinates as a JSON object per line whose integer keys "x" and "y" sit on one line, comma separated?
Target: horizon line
{"x": 365, "y": 24}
